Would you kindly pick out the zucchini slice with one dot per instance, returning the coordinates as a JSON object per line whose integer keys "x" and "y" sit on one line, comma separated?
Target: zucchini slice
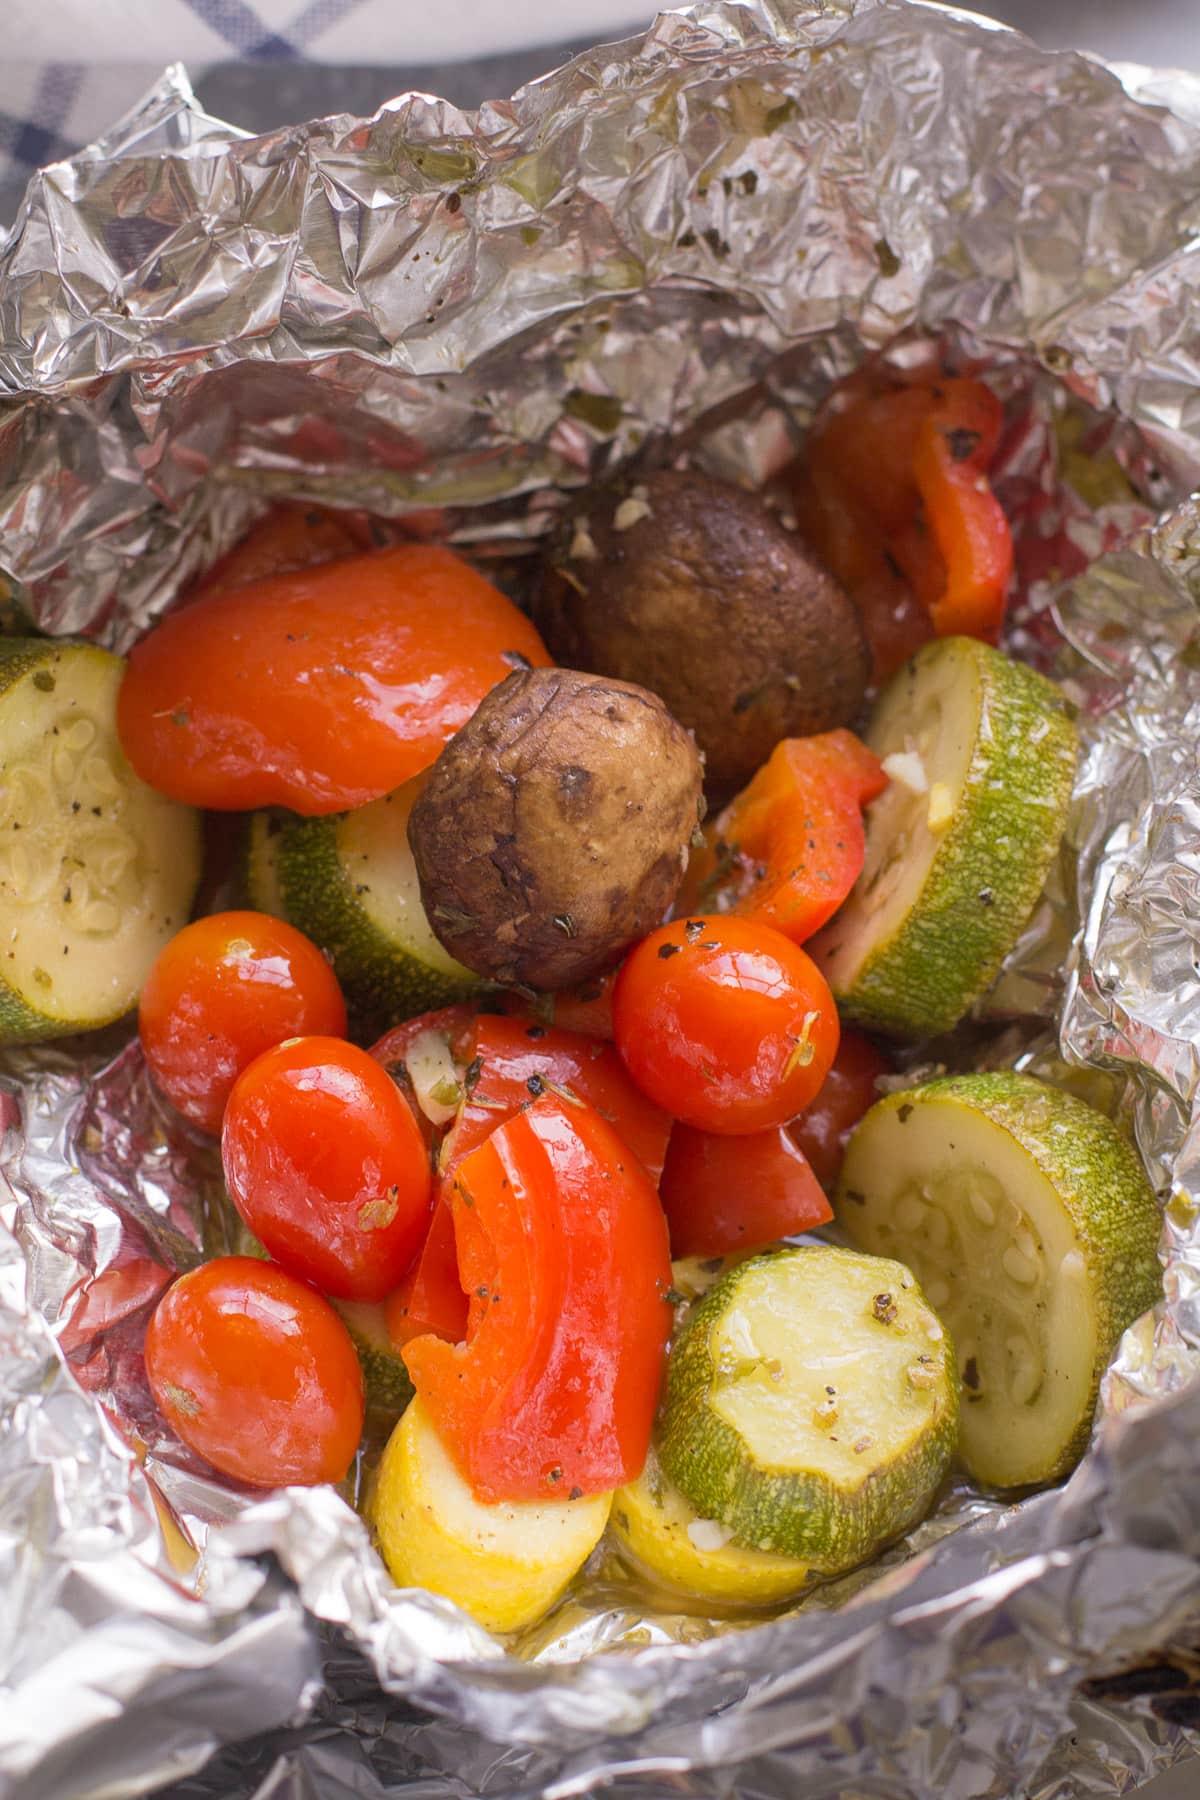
{"x": 1034, "y": 1231}
{"x": 506, "y": 1564}
{"x": 386, "y": 1381}
{"x": 811, "y": 1405}
{"x": 97, "y": 871}
{"x": 349, "y": 883}
{"x": 261, "y": 863}
{"x": 981, "y": 751}
{"x": 664, "y": 1537}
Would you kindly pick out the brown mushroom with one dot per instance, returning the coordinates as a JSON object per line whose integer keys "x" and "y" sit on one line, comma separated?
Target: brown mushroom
{"x": 692, "y": 588}
{"x": 554, "y": 827}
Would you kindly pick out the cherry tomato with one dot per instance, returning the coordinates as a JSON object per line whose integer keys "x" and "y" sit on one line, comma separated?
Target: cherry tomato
{"x": 823, "y": 1129}
{"x": 321, "y": 689}
{"x": 725, "y": 1023}
{"x": 737, "y": 1193}
{"x": 256, "y": 1373}
{"x": 326, "y": 1165}
{"x": 291, "y": 536}
{"x": 222, "y": 991}
{"x": 510, "y": 1063}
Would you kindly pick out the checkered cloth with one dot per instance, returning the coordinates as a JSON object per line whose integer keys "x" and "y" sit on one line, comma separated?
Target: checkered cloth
{"x": 49, "y": 105}
{"x": 70, "y": 68}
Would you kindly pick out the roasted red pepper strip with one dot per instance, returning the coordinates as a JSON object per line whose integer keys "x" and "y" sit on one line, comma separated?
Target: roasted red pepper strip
{"x": 954, "y": 448}
{"x": 823, "y": 1129}
{"x": 737, "y": 1193}
{"x": 511, "y": 1062}
{"x": 892, "y": 493}
{"x": 430, "y": 1298}
{"x": 562, "y": 1245}
{"x": 789, "y": 848}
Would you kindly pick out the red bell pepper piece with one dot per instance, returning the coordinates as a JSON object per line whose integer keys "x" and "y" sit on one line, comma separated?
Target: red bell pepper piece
{"x": 430, "y": 1298}
{"x": 737, "y": 1193}
{"x": 788, "y": 849}
{"x": 892, "y": 493}
{"x": 562, "y": 1245}
{"x": 823, "y": 1129}
{"x": 954, "y": 447}
{"x": 512, "y": 1061}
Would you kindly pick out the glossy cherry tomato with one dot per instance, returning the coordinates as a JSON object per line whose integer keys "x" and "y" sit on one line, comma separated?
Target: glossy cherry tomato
{"x": 823, "y": 1129}
{"x": 562, "y": 1246}
{"x": 256, "y": 1373}
{"x": 291, "y": 536}
{"x": 791, "y": 845}
{"x": 224, "y": 990}
{"x": 431, "y": 1298}
{"x": 324, "y": 1161}
{"x": 725, "y": 1023}
{"x": 511, "y": 1062}
{"x": 737, "y": 1193}
{"x": 321, "y": 689}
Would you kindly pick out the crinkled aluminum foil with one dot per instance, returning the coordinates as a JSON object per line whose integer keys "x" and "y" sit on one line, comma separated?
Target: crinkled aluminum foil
{"x": 676, "y": 242}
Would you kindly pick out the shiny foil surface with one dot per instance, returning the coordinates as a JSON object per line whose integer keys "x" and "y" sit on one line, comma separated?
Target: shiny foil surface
{"x": 671, "y": 247}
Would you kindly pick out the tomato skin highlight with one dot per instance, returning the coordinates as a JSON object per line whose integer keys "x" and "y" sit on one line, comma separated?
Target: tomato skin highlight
{"x": 562, "y": 1245}
{"x": 326, "y": 1165}
{"x": 723, "y": 1194}
{"x": 256, "y": 1373}
{"x": 823, "y": 1129}
{"x": 320, "y": 689}
{"x": 223, "y": 990}
{"x": 787, "y": 850}
{"x": 517, "y": 1061}
{"x": 725, "y": 1023}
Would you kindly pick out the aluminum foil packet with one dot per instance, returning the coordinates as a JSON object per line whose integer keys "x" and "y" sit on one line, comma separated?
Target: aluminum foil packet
{"x": 671, "y": 247}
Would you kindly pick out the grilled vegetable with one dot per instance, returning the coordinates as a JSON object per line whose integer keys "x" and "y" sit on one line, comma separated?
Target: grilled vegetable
{"x": 97, "y": 870}
{"x": 811, "y": 1405}
{"x": 504, "y": 1564}
{"x": 666, "y": 1538}
{"x": 348, "y": 882}
{"x": 1033, "y": 1230}
{"x": 981, "y": 752}
{"x": 385, "y": 1378}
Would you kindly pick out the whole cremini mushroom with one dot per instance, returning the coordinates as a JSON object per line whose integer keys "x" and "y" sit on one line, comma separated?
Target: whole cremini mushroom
{"x": 554, "y": 827}
{"x": 692, "y": 588}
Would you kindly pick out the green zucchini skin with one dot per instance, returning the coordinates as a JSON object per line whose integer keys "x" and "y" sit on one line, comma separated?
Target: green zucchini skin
{"x": 805, "y": 1514}
{"x": 296, "y": 868}
{"x": 1110, "y": 1220}
{"x": 386, "y": 1381}
{"x": 991, "y": 861}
